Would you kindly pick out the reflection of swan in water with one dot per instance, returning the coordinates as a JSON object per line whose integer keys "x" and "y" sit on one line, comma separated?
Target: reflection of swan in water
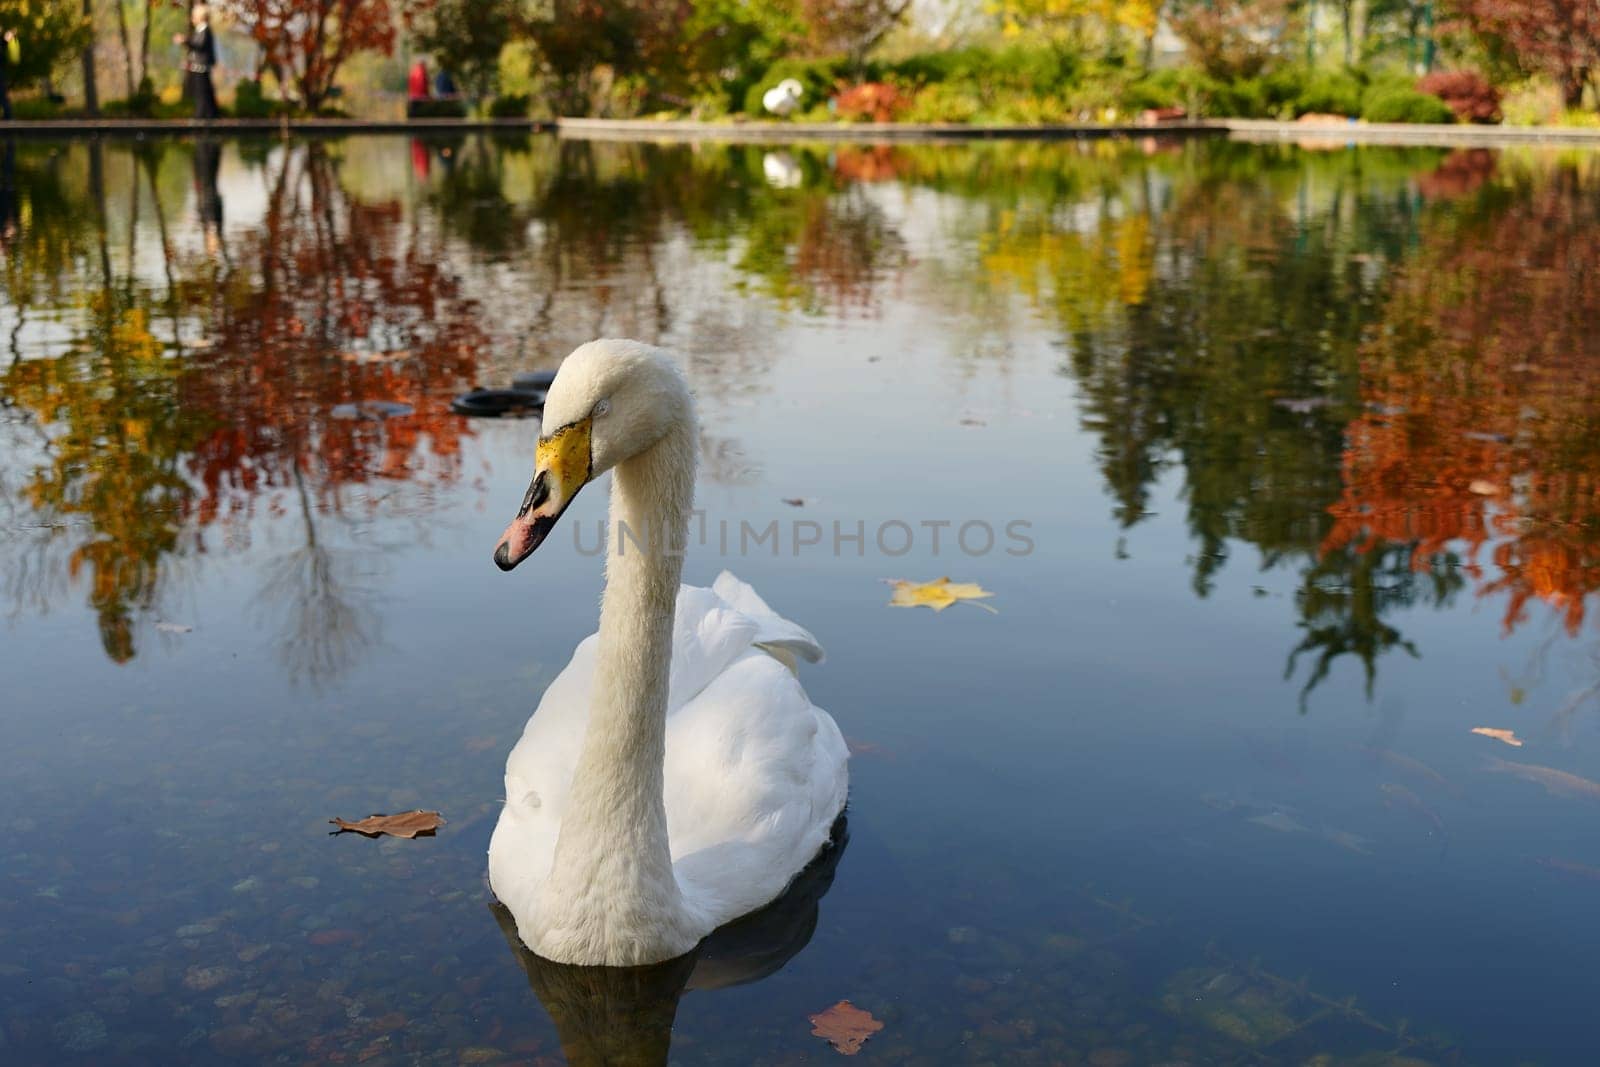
{"x": 623, "y": 1016}
{"x": 782, "y": 171}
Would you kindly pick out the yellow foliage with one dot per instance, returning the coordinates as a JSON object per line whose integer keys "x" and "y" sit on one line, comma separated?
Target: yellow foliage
{"x": 937, "y": 594}
{"x": 1068, "y": 16}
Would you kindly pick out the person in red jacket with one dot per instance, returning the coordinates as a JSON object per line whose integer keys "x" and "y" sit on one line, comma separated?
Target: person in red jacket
{"x": 416, "y": 87}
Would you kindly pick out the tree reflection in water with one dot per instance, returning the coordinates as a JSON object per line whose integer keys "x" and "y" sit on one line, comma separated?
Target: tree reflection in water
{"x": 1376, "y": 367}
{"x": 157, "y": 447}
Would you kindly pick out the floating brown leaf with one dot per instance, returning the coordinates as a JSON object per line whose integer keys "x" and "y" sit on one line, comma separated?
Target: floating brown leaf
{"x": 1508, "y": 736}
{"x": 405, "y": 824}
{"x": 845, "y": 1027}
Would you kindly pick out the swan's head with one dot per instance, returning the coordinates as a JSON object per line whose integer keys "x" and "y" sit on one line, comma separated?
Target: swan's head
{"x": 611, "y": 400}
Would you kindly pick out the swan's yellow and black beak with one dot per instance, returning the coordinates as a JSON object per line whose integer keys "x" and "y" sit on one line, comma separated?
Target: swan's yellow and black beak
{"x": 563, "y": 465}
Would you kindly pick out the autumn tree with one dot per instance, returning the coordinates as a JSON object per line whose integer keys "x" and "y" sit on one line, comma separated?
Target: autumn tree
{"x": 1236, "y": 38}
{"x": 1560, "y": 38}
{"x": 1073, "y": 21}
{"x": 575, "y": 37}
{"x": 306, "y": 42}
{"x": 50, "y": 32}
{"x": 734, "y": 42}
{"x": 849, "y": 27}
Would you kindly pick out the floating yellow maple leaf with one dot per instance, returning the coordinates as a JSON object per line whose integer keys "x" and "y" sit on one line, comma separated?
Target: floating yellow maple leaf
{"x": 937, "y": 594}
{"x": 1508, "y": 736}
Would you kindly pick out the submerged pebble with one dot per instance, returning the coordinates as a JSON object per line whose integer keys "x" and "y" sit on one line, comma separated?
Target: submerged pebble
{"x": 82, "y": 1031}
{"x": 202, "y": 978}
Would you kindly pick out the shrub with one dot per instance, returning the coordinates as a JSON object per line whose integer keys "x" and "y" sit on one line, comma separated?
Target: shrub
{"x": 1401, "y": 104}
{"x": 144, "y": 100}
{"x": 871, "y": 102}
{"x": 1242, "y": 98}
{"x": 36, "y": 108}
{"x": 1330, "y": 92}
{"x": 437, "y": 109}
{"x": 510, "y": 106}
{"x": 1466, "y": 92}
{"x": 249, "y": 102}
{"x": 1164, "y": 88}
{"x": 942, "y": 102}
{"x": 1030, "y": 67}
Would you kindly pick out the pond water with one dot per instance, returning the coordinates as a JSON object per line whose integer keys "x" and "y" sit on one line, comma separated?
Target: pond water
{"x": 1282, "y": 466}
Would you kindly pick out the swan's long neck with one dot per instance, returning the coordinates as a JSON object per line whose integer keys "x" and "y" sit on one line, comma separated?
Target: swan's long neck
{"x": 613, "y": 847}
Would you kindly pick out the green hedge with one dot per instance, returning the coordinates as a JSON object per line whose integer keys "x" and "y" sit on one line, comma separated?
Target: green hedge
{"x": 249, "y": 102}
{"x": 436, "y": 109}
{"x": 1042, "y": 83}
{"x": 511, "y": 106}
{"x": 1401, "y": 103}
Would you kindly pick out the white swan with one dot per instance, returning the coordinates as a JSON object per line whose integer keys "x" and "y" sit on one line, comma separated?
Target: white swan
{"x": 675, "y": 775}
{"x": 783, "y": 98}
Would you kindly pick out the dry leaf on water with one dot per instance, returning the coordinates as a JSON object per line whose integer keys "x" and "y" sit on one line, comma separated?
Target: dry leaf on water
{"x": 845, "y": 1027}
{"x": 406, "y": 824}
{"x": 1508, "y": 736}
{"x": 938, "y": 594}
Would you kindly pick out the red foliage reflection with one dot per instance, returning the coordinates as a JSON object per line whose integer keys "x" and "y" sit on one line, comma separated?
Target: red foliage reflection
{"x": 1483, "y": 396}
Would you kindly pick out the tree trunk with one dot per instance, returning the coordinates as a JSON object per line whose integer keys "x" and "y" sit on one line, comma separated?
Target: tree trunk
{"x": 1347, "y": 27}
{"x": 144, "y": 40}
{"x": 1573, "y": 81}
{"x": 91, "y": 93}
{"x": 127, "y": 48}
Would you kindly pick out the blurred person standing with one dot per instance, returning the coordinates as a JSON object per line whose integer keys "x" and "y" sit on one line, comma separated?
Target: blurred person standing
{"x": 416, "y": 88}
{"x": 10, "y": 56}
{"x": 200, "y": 46}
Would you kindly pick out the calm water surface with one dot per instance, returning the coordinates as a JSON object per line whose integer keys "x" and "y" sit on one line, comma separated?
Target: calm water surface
{"x": 1304, "y": 448}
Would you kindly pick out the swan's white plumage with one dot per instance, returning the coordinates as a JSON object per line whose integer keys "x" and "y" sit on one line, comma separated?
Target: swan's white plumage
{"x": 754, "y": 775}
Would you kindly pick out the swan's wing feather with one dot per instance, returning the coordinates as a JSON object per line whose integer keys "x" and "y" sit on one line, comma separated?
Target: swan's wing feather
{"x": 755, "y": 777}
{"x": 707, "y": 635}
{"x": 772, "y": 629}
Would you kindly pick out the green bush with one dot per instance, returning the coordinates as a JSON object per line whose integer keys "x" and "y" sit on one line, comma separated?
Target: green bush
{"x": 510, "y": 106}
{"x": 1243, "y": 98}
{"x": 1164, "y": 88}
{"x": 1330, "y": 92}
{"x": 1401, "y": 103}
{"x": 36, "y": 108}
{"x": 249, "y": 102}
{"x": 151, "y": 109}
{"x": 437, "y": 109}
{"x": 943, "y": 103}
{"x": 1029, "y": 67}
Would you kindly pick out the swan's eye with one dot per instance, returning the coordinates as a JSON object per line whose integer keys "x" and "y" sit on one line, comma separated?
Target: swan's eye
{"x": 602, "y": 408}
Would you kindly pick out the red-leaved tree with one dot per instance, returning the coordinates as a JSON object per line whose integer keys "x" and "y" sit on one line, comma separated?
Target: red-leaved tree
{"x": 306, "y": 42}
{"x": 1560, "y": 38}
